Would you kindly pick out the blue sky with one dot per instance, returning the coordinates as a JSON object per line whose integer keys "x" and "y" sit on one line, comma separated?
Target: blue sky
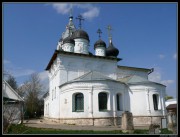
{"x": 144, "y": 33}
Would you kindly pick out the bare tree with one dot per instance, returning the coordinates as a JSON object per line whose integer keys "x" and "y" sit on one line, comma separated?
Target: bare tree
{"x": 32, "y": 89}
{"x": 12, "y": 81}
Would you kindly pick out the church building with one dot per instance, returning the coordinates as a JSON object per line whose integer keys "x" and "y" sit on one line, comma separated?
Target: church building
{"x": 87, "y": 89}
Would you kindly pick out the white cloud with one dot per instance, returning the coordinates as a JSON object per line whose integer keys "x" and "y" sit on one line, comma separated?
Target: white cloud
{"x": 43, "y": 75}
{"x": 156, "y": 76}
{"x": 62, "y": 8}
{"x": 90, "y": 11}
{"x": 44, "y": 79}
{"x": 161, "y": 56}
{"x": 16, "y": 71}
{"x": 167, "y": 82}
{"x": 175, "y": 56}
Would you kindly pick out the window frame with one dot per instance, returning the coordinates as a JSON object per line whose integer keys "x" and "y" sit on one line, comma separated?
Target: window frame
{"x": 78, "y": 100}
{"x": 102, "y": 100}
{"x": 155, "y": 101}
{"x": 119, "y": 102}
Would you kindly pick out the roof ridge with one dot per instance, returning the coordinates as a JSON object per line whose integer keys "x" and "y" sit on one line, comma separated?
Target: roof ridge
{"x": 15, "y": 92}
{"x": 82, "y": 76}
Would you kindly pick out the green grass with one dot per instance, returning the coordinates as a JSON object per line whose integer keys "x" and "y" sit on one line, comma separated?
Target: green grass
{"x": 22, "y": 129}
{"x": 166, "y": 131}
{"x": 141, "y": 131}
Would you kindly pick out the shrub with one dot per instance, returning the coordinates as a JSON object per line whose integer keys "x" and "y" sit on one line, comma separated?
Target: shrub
{"x": 165, "y": 131}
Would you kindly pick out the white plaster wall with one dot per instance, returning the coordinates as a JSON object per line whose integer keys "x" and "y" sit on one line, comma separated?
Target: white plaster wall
{"x": 100, "y": 51}
{"x": 90, "y": 92}
{"x": 125, "y": 72}
{"x": 67, "y": 68}
{"x": 53, "y": 99}
{"x": 141, "y": 100}
{"x": 71, "y": 67}
{"x": 46, "y": 107}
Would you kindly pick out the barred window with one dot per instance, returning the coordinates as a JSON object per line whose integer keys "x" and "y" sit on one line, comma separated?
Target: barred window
{"x": 102, "y": 97}
{"x": 78, "y": 102}
{"x": 155, "y": 101}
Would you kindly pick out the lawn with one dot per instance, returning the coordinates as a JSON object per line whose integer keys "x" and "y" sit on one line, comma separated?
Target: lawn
{"x": 22, "y": 129}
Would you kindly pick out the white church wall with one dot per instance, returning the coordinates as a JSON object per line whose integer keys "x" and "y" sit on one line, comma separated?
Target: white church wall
{"x": 142, "y": 106}
{"x": 76, "y": 66}
{"x": 46, "y": 107}
{"x": 137, "y": 99}
{"x": 53, "y": 100}
{"x": 140, "y": 94}
{"x": 90, "y": 92}
{"x": 66, "y": 110}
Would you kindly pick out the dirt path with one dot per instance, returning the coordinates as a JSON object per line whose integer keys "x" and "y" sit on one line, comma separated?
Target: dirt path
{"x": 41, "y": 123}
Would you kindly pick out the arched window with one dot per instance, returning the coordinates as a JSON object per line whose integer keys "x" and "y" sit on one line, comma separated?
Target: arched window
{"x": 102, "y": 97}
{"x": 119, "y": 102}
{"x": 155, "y": 101}
{"x": 79, "y": 102}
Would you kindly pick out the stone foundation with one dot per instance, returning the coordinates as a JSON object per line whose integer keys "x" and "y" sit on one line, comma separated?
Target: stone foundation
{"x": 146, "y": 120}
{"x": 110, "y": 121}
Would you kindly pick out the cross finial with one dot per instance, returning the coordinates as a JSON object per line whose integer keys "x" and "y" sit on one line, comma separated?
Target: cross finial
{"x": 109, "y": 29}
{"x": 80, "y": 19}
{"x": 70, "y": 12}
{"x": 100, "y": 32}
